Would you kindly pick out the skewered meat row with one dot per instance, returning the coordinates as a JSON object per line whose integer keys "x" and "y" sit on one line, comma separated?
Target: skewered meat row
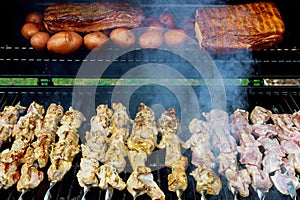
{"x": 64, "y": 150}
{"x": 112, "y": 129}
{"x": 282, "y": 148}
{"x": 275, "y": 159}
{"x": 23, "y": 132}
{"x": 141, "y": 142}
{"x": 249, "y": 151}
{"x": 8, "y": 117}
{"x": 226, "y": 147}
{"x": 168, "y": 125}
{"x": 93, "y": 150}
{"x": 37, "y": 153}
{"x": 208, "y": 182}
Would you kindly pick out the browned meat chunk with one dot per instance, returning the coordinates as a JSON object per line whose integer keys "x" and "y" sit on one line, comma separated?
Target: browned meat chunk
{"x": 91, "y": 17}
{"x": 247, "y": 26}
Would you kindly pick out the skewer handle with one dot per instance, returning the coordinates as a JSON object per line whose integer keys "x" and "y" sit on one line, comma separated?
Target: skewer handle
{"x": 261, "y": 195}
{"x": 85, "y": 191}
{"x": 21, "y": 196}
{"x": 109, "y": 193}
{"x": 48, "y": 194}
{"x": 203, "y": 195}
{"x": 178, "y": 194}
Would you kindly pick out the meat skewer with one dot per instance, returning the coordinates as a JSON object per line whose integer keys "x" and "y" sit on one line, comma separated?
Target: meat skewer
{"x": 141, "y": 142}
{"x": 112, "y": 129}
{"x": 226, "y": 146}
{"x": 8, "y": 118}
{"x": 168, "y": 127}
{"x": 250, "y": 154}
{"x": 285, "y": 179}
{"x": 65, "y": 149}
{"x": 208, "y": 182}
{"x": 117, "y": 150}
{"x": 37, "y": 153}
{"x": 93, "y": 150}
{"x": 23, "y": 132}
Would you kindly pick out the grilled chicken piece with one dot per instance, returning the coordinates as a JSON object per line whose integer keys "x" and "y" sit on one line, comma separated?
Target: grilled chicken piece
{"x": 107, "y": 175}
{"x": 87, "y": 174}
{"x": 239, "y": 180}
{"x": 144, "y": 131}
{"x": 177, "y": 180}
{"x": 137, "y": 159}
{"x": 73, "y": 118}
{"x": 260, "y": 179}
{"x": 116, "y": 152}
{"x": 64, "y": 151}
{"x": 31, "y": 177}
{"x": 168, "y": 125}
{"x": 95, "y": 147}
{"x": 260, "y": 115}
{"x": 102, "y": 120}
{"x": 141, "y": 142}
{"x": 58, "y": 169}
{"x": 67, "y": 147}
{"x": 8, "y": 117}
{"x": 24, "y": 132}
{"x": 141, "y": 182}
{"x": 285, "y": 180}
{"x": 207, "y": 180}
{"x": 120, "y": 118}
{"x": 203, "y": 158}
{"x": 10, "y": 174}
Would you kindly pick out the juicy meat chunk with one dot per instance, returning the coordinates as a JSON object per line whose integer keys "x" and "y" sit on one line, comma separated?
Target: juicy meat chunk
{"x": 260, "y": 115}
{"x": 246, "y": 26}
{"x": 90, "y": 17}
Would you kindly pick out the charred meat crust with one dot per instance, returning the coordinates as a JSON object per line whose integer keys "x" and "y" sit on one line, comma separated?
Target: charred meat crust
{"x": 251, "y": 26}
{"x": 89, "y": 17}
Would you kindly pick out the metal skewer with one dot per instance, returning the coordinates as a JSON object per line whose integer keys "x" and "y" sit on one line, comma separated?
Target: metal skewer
{"x": 292, "y": 191}
{"x": 85, "y": 191}
{"x": 179, "y": 193}
{"x": 21, "y": 196}
{"x": 261, "y": 195}
{"x": 48, "y": 194}
{"x": 109, "y": 192}
{"x": 203, "y": 195}
{"x": 234, "y": 192}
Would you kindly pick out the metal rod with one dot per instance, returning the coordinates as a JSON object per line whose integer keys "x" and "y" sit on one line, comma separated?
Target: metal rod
{"x": 203, "y": 195}
{"x": 48, "y": 194}
{"x": 178, "y": 194}
{"x": 85, "y": 191}
{"x": 21, "y": 196}
{"x": 261, "y": 195}
{"x": 109, "y": 193}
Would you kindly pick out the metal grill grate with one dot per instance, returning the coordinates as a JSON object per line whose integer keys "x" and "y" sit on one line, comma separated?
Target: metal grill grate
{"x": 279, "y": 100}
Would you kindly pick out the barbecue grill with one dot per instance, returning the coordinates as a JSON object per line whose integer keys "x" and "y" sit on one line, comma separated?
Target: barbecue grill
{"x": 28, "y": 75}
